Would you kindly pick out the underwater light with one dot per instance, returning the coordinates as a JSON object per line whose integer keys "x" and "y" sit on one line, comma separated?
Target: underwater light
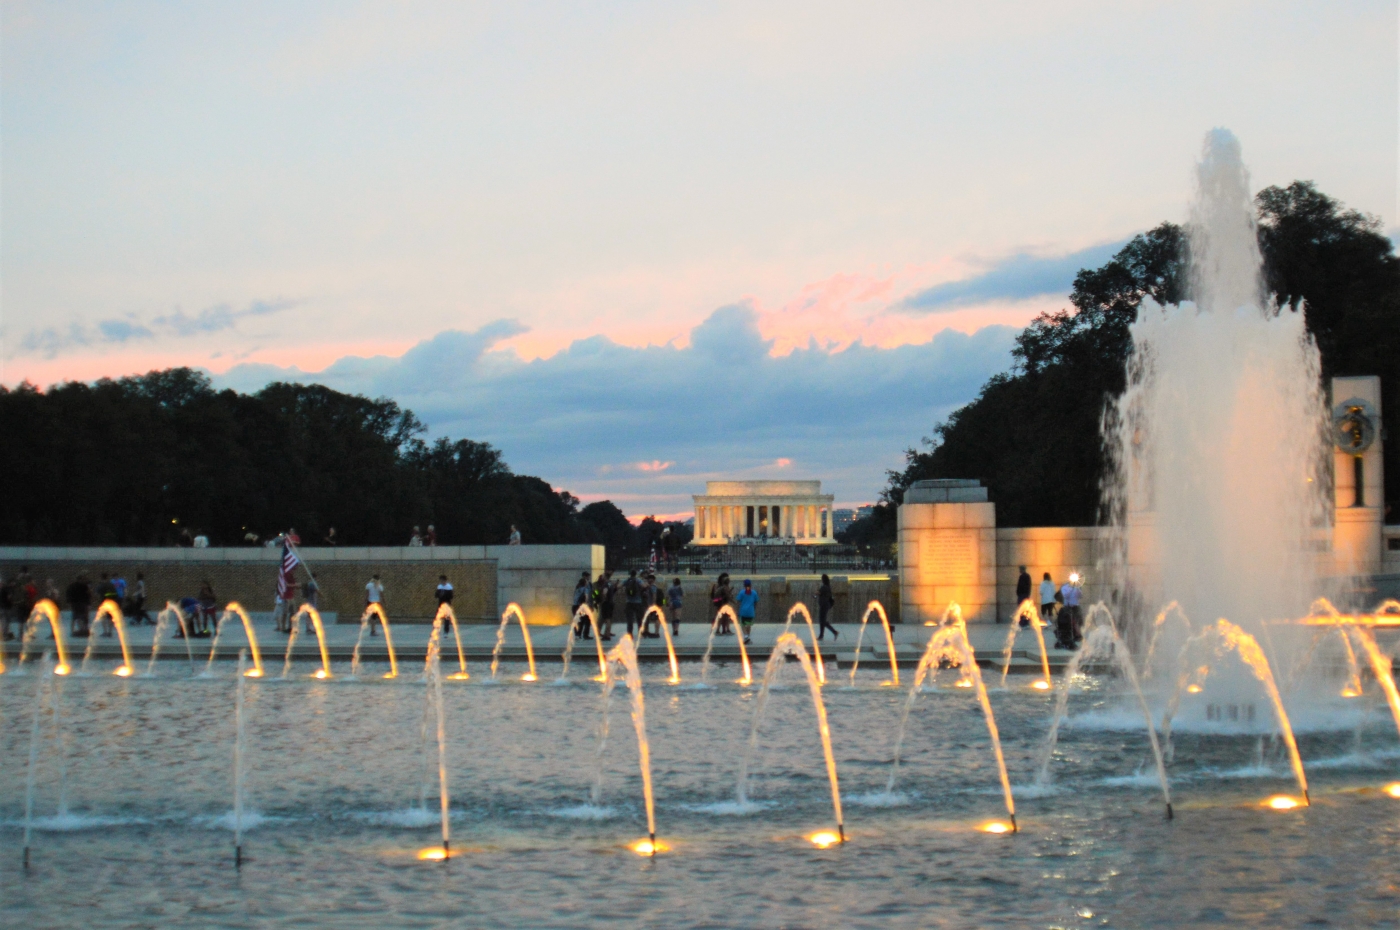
{"x": 824, "y": 839}
{"x": 1281, "y": 802}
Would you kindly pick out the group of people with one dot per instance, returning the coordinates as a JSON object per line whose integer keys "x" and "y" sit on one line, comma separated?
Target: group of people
{"x": 639, "y": 593}
{"x": 1059, "y": 607}
{"x": 20, "y": 594}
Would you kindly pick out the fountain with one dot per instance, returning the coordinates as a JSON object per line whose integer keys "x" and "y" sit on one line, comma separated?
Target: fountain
{"x": 315, "y": 616}
{"x": 800, "y": 608}
{"x": 444, "y": 612}
{"x": 726, "y": 611}
{"x": 789, "y": 646}
{"x": 240, "y": 740}
{"x": 624, "y": 654}
{"x": 113, "y": 612}
{"x": 45, "y": 610}
{"x": 377, "y": 610}
{"x": 163, "y": 620}
{"x": 675, "y": 678}
{"x": 43, "y": 686}
{"x": 513, "y": 608}
{"x": 875, "y": 607}
{"x": 1102, "y": 643}
{"x": 584, "y": 611}
{"x": 234, "y": 609}
{"x": 948, "y": 643}
{"x": 1028, "y": 612}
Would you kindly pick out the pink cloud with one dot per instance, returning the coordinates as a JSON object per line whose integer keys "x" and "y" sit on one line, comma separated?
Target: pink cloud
{"x": 654, "y": 465}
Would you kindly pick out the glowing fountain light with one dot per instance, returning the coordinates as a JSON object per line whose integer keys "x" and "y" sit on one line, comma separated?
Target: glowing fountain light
{"x": 647, "y": 847}
{"x": 1041, "y": 685}
{"x": 1393, "y": 789}
{"x": 433, "y": 854}
{"x": 824, "y": 839}
{"x": 1282, "y": 802}
{"x": 996, "y": 826}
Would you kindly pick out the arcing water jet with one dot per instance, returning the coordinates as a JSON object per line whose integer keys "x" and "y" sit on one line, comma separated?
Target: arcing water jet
{"x": 234, "y": 609}
{"x": 513, "y": 608}
{"x": 375, "y": 611}
{"x": 315, "y": 616}
{"x": 875, "y": 607}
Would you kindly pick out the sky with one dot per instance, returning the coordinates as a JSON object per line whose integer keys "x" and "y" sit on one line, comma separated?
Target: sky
{"x": 635, "y": 246}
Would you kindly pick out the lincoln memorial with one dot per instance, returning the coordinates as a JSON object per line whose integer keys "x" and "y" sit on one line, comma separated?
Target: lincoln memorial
{"x": 732, "y": 512}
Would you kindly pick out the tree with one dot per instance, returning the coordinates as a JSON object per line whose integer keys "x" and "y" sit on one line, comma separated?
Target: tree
{"x": 1032, "y": 434}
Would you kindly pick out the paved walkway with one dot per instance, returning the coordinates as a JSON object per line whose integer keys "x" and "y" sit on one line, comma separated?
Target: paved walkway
{"x": 478, "y": 640}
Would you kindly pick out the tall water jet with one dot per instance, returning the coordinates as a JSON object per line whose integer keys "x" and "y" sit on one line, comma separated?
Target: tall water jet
{"x": 444, "y": 798}
{"x": 113, "y": 613}
{"x": 875, "y": 607}
{"x": 1215, "y": 640}
{"x": 315, "y": 616}
{"x": 1102, "y": 643}
{"x": 1028, "y": 612}
{"x": 34, "y": 736}
{"x": 1217, "y": 447}
{"x": 444, "y": 613}
{"x": 239, "y": 751}
{"x": 1382, "y": 668}
{"x": 45, "y": 610}
{"x": 583, "y": 611}
{"x": 625, "y": 655}
{"x": 513, "y": 608}
{"x": 375, "y": 610}
{"x": 788, "y": 645}
{"x": 234, "y": 609}
{"x": 949, "y": 643}
{"x": 800, "y": 608}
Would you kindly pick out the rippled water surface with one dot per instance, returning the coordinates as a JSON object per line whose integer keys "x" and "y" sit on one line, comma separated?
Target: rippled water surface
{"x": 336, "y": 773}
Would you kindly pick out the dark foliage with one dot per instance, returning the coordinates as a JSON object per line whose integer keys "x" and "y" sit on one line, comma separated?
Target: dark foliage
{"x": 138, "y": 460}
{"x": 1032, "y": 435}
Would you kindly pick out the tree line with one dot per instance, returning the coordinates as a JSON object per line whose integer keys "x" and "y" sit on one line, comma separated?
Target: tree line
{"x": 1032, "y": 434}
{"x": 142, "y": 461}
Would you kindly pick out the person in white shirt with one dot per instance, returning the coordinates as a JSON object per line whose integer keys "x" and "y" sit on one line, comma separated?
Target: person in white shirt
{"x": 374, "y": 594}
{"x": 1047, "y": 600}
{"x": 416, "y": 539}
{"x": 514, "y": 535}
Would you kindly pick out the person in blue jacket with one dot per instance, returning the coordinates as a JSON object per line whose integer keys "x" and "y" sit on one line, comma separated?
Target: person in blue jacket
{"x": 748, "y": 607}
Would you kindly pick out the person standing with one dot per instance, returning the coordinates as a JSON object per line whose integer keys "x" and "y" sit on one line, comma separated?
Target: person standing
{"x": 1023, "y": 593}
{"x": 632, "y": 591}
{"x": 374, "y": 594}
{"x": 514, "y": 535}
{"x": 1047, "y": 600}
{"x": 106, "y": 592}
{"x": 605, "y": 598}
{"x": 719, "y": 599}
{"x": 675, "y": 601}
{"x": 430, "y": 537}
{"x": 748, "y": 609}
{"x": 1067, "y": 625}
{"x": 330, "y": 539}
{"x": 207, "y": 603}
{"x": 653, "y": 596}
{"x": 312, "y": 591}
{"x": 79, "y": 599}
{"x": 444, "y": 592}
{"x": 416, "y": 540}
{"x": 825, "y": 601}
{"x": 581, "y": 594}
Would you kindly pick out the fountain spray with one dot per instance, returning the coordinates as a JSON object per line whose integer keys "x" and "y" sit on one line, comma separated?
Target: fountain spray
{"x": 39, "y": 690}
{"x": 239, "y": 742}
{"x": 875, "y": 607}
{"x": 513, "y": 608}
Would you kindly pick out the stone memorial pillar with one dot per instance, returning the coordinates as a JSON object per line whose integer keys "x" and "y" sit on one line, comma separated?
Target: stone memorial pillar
{"x": 947, "y": 551}
{"x": 1358, "y": 466}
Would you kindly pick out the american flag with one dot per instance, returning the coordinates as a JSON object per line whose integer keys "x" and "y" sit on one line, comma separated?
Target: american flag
{"x": 286, "y": 580}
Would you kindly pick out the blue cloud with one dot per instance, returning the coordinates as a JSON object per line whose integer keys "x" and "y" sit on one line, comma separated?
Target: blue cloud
{"x": 1016, "y": 278}
{"x": 720, "y": 406}
{"x": 51, "y": 342}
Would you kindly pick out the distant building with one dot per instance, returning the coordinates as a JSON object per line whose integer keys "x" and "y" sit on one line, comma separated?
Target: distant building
{"x": 844, "y": 517}
{"x": 738, "y": 512}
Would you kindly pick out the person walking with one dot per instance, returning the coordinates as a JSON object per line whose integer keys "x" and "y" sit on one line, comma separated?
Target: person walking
{"x": 374, "y": 594}
{"x": 1023, "y": 593}
{"x": 79, "y": 599}
{"x": 825, "y": 601}
{"x": 444, "y": 591}
{"x": 1047, "y": 600}
{"x": 675, "y": 602}
{"x": 137, "y": 605}
{"x": 635, "y": 598}
{"x": 748, "y": 609}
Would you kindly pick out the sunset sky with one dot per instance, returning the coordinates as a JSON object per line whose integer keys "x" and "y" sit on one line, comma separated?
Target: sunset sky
{"x": 634, "y": 245}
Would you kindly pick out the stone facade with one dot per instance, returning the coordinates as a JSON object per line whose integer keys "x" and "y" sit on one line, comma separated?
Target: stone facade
{"x": 947, "y": 551}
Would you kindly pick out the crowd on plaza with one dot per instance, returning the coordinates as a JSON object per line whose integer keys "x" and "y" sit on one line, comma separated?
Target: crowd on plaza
{"x": 20, "y": 594}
